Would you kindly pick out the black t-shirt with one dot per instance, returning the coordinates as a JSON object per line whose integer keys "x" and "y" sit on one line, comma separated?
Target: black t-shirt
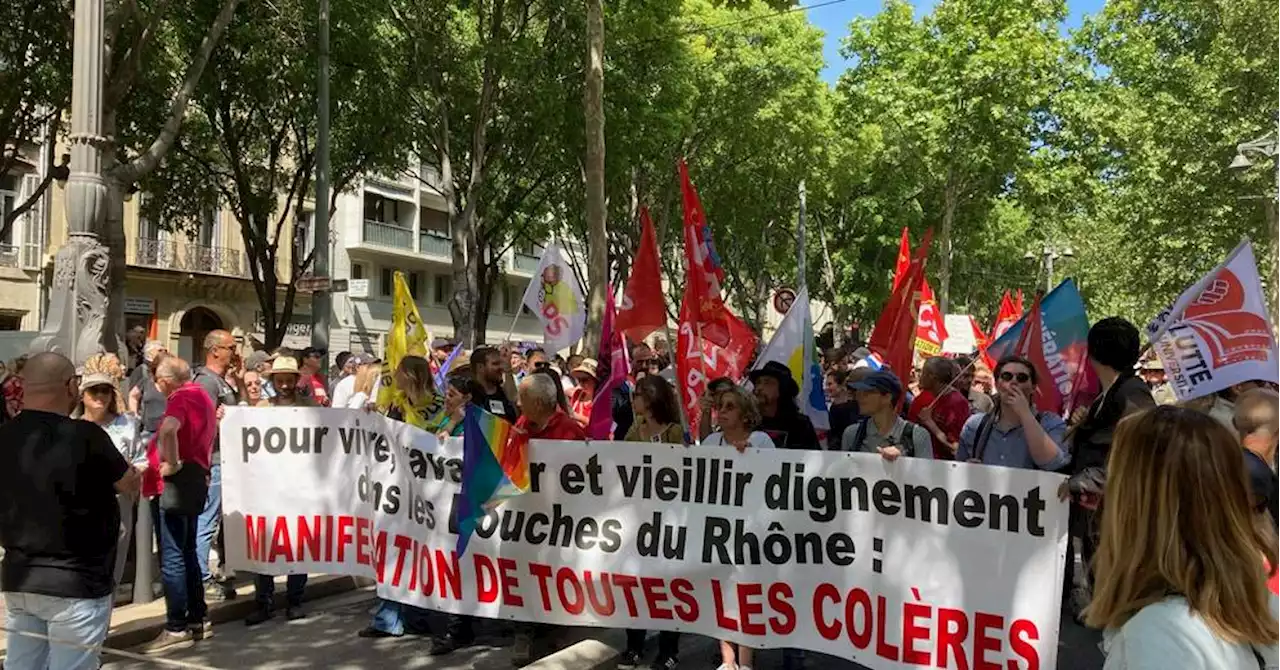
{"x": 58, "y": 514}
{"x": 790, "y": 430}
{"x": 496, "y": 403}
{"x": 843, "y": 415}
{"x": 1262, "y": 484}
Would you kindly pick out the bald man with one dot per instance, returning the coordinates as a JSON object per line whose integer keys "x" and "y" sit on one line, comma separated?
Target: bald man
{"x": 219, "y": 358}
{"x": 59, "y": 521}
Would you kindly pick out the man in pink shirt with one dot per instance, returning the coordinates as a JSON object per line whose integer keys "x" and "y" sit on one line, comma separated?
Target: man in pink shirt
{"x": 177, "y": 481}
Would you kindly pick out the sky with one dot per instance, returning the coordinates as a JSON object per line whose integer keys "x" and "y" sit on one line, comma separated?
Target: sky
{"x": 834, "y": 20}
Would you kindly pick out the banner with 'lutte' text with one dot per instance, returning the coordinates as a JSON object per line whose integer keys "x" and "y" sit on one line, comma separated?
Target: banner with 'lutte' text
{"x": 890, "y": 564}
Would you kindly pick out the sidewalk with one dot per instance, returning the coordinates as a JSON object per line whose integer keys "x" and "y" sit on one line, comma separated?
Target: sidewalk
{"x": 132, "y": 625}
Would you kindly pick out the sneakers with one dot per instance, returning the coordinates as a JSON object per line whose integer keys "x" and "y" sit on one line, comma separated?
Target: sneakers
{"x": 522, "y": 650}
{"x": 295, "y": 613}
{"x": 665, "y": 663}
{"x": 216, "y": 592}
{"x": 201, "y": 631}
{"x": 630, "y": 659}
{"x": 373, "y": 633}
{"x": 167, "y": 640}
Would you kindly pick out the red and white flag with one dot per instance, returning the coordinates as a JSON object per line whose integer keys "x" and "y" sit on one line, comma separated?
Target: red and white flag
{"x": 1005, "y": 318}
{"x": 1217, "y": 334}
{"x": 931, "y": 329}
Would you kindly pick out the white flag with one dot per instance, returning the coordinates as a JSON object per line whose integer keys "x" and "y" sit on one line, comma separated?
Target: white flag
{"x": 793, "y": 346}
{"x": 1217, "y": 333}
{"x": 553, "y": 295}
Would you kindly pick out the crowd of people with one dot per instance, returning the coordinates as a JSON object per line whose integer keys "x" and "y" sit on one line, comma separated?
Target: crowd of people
{"x": 1174, "y": 507}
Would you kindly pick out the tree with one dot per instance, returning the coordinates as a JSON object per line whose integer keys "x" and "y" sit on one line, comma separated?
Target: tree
{"x": 597, "y": 236}
{"x": 248, "y": 142}
{"x": 35, "y": 89}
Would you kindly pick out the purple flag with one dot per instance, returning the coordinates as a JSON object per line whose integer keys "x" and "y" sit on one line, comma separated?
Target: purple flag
{"x": 611, "y": 371}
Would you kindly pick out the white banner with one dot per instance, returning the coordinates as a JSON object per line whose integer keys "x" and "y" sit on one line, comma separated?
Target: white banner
{"x": 556, "y": 299}
{"x": 915, "y": 562}
{"x": 1216, "y": 333}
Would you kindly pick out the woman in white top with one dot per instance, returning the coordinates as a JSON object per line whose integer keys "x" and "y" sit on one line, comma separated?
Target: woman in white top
{"x": 737, "y": 414}
{"x": 366, "y": 377}
{"x": 102, "y": 403}
{"x": 1181, "y": 564}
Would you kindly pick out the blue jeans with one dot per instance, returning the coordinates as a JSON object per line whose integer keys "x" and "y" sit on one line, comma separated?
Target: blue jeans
{"x": 180, "y": 571}
{"x": 210, "y": 520}
{"x": 395, "y": 618}
{"x": 80, "y": 621}
{"x": 264, "y": 590}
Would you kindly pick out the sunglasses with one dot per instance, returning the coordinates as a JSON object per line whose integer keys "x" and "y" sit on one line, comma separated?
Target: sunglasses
{"x": 1021, "y": 377}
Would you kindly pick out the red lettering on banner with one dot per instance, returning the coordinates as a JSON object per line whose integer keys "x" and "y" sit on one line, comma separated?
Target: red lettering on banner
{"x": 328, "y": 533}
{"x": 883, "y": 648}
{"x": 510, "y": 583}
{"x": 748, "y": 608}
{"x": 404, "y": 545}
{"x": 380, "y": 554}
{"x": 579, "y": 603}
{"x": 607, "y": 607}
{"x": 721, "y": 620}
{"x": 682, "y": 589}
{"x": 859, "y": 597}
{"x": 542, "y": 573}
{"x": 255, "y": 532}
{"x": 426, "y": 575}
{"x": 951, "y": 640}
{"x": 309, "y": 538}
{"x": 655, "y": 595}
{"x": 821, "y": 594}
{"x": 982, "y": 643}
{"x": 486, "y": 579}
{"x": 629, "y": 583}
{"x": 449, "y": 574}
{"x": 280, "y": 542}
{"x": 1021, "y": 634}
{"x": 780, "y": 595}
{"x": 344, "y": 535}
{"x": 362, "y": 541}
{"x": 913, "y": 632}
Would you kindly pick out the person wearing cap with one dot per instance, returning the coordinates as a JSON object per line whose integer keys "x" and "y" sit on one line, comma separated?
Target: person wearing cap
{"x": 776, "y": 392}
{"x": 345, "y": 390}
{"x": 286, "y": 377}
{"x": 312, "y": 382}
{"x": 881, "y": 430}
{"x": 1014, "y": 434}
{"x": 1153, "y": 374}
{"x": 102, "y": 403}
{"x": 260, "y": 361}
{"x": 441, "y": 347}
{"x": 583, "y": 394}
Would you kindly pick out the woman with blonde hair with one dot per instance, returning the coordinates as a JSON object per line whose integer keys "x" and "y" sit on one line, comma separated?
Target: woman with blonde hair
{"x": 366, "y": 379}
{"x": 1181, "y": 566}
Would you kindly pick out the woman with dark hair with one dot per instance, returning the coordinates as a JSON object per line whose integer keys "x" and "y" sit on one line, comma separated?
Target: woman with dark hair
{"x": 844, "y": 409}
{"x": 456, "y": 398}
{"x": 657, "y": 420}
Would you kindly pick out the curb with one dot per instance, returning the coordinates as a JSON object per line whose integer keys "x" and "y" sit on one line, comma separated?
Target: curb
{"x": 133, "y": 633}
{"x": 588, "y": 654}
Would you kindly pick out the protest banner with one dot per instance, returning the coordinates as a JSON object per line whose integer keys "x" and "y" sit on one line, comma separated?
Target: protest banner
{"x": 1216, "y": 333}
{"x": 890, "y": 564}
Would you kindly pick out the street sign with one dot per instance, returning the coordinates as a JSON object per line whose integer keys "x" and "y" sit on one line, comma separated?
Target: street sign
{"x": 357, "y": 288}
{"x": 339, "y": 286}
{"x": 314, "y": 284}
{"x": 782, "y": 300}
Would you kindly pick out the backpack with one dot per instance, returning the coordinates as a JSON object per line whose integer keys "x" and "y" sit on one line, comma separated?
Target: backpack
{"x": 907, "y": 436}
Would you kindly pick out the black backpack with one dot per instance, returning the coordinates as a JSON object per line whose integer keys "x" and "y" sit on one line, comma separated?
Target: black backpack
{"x": 908, "y": 437}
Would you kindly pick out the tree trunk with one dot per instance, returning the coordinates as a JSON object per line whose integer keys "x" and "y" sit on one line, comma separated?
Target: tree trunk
{"x": 839, "y": 332}
{"x": 950, "y": 200}
{"x": 597, "y": 236}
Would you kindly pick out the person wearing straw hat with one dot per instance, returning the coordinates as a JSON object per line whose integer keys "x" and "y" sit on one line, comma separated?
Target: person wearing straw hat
{"x": 584, "y": 390}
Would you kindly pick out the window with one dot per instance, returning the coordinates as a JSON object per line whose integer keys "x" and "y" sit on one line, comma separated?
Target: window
{"x": 8, "y": 201}
{"x": 304, "y": 234}
{"x": 388, "y": 280}
{"x": 413, "y": 284}
{"x": 10, "y": 322}
{"x": 511, "y": 298}
{"x": 357, "y": 271}
{"x": 208, "y": 231}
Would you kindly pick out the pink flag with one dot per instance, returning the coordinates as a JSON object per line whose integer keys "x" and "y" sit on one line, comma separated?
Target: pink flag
{"x": 611, "y": 370}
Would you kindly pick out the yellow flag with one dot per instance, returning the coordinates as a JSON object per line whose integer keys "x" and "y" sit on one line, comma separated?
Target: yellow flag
{"x": 407, "y": 337}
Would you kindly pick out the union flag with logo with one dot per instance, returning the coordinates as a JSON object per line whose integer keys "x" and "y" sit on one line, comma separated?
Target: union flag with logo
{"x": 1217, "y": 334}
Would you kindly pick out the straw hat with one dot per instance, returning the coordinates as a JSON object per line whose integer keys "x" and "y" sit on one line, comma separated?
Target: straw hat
{"x": 284, "y": 365}
{"x": 586, "y": 367}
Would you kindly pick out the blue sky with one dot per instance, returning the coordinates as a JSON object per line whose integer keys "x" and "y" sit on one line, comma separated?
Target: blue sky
{"x": 834, "y": 20}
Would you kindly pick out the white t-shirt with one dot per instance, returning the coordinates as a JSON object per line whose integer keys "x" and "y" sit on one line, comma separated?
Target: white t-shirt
{"x": 756, "y": 439}
{"x": 357, "y": 401}
{"x": 343, "y": 390}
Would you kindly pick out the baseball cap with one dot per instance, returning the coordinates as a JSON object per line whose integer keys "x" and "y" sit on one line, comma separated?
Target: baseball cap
{"x": 879, "y": 382}
{"x": 442, "y": 343}
{"x": 313, "y": 351}
{"x": 255, "y": 360}
{"x": 363, "y": 359}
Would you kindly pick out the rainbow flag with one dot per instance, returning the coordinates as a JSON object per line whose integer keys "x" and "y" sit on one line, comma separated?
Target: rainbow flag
{"x": 495, "y": 466}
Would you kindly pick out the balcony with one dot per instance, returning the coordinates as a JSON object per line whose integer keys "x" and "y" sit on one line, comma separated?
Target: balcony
{"x": 432, "y": 243}
{"x": 183, "y": 257}
{"x": 388, "y": 235}
{"x": 526, "y": 263}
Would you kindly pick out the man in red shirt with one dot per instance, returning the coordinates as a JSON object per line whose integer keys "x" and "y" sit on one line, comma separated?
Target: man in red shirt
{"x": 177, "y": 481}
{"x": 311, "y": 379}
{"x": 940, "y": 408}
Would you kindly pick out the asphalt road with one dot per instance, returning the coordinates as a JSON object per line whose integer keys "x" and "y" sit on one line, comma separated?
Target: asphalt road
{"x": 327, "y": 639}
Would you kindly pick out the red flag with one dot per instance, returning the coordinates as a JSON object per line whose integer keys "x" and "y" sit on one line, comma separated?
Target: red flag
{"x": 931, "y": 329}
{"x": 904, "y": 259}
{"x": 700, "y": 360}
{"x": 1018, "y": 305}
{"x": 703, "y": 270}
{"x": 1031, "y": 345}
{"x": 980, "y": 340}
{"x": 1005, "y": 319}
{"x": 643, "y": 309}
{"x": 611, "y": 372}
{"x": 893, "y": 338}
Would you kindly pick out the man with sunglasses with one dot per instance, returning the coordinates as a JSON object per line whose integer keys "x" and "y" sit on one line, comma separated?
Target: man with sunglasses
{"x": 1014, "y": 435}
{"x": 219, "y": 357}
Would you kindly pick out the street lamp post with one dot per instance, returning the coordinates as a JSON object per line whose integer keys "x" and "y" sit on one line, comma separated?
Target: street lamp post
{"x": 1265, "y": 147}
{"x": 1048, "y": 255}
